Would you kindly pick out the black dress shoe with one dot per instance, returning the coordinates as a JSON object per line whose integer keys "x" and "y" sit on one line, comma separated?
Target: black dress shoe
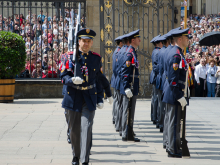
{"x": 117, "y": 130}
{"x": 157, "y": 125}
{"x": 113, "y": 122}
{"x": 136, "y": 140}
{"x": 154, "y": 122}
{"x": 75, "y": 161}
{"x": 164, "y": 146}
{"x": 120, "y": 134}
{"x": 124, "y": 139}
{"x": 170, "y": 154}
{"x": 161, "y": 129}
{"x": 85, "y": 163}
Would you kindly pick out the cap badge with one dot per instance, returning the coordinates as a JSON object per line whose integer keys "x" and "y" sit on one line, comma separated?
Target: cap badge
{"x": 87, "y": 31}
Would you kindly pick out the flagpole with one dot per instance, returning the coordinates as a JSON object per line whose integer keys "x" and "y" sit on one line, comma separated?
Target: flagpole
{"x": 185, "y": 20}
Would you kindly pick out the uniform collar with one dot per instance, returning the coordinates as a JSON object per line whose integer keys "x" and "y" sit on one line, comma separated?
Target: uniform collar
{"x": 133, "y": 48}
{"x": 179, "y": 49}
{"x": 84, "y": 53}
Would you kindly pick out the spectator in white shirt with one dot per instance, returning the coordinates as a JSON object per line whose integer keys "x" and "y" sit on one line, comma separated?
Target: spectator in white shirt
{"x": 200, "y": 77}
{"x": 211, "y": 70}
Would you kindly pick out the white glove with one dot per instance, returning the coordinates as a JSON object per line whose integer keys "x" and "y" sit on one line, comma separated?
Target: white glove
{"x": 100, "y": 105}
{"x": 110, "y": 100}
{"x": 182, "y": 101}
{"x": 128, "y": 93}
{"x": 77, "y": 80}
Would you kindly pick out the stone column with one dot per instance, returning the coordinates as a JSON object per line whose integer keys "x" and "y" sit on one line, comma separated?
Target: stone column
{"x": 92, "y": 22}
{"x": 199, "y": 6}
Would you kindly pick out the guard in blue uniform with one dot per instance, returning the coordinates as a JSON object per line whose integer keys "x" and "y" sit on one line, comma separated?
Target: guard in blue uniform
{"x": 165, "y": 83}
{"x": 82, "y": 96}
{"x": 119, "y": 43}
{"x": 159, "y": 85}
{"x": 116, "y": 69}
{"x": 158, "y": 45}
{"x": 130, "y": 79}
{"x": 64, "y": 57}
{"x": 152, "y": 79}
{"x": 173, "y": 94}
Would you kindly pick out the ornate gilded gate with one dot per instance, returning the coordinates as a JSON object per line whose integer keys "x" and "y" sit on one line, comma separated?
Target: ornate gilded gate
{"x": 118, "y": 17}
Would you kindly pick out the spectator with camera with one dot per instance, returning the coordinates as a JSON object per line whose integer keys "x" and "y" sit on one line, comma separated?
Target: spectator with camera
{"x": 211, "y": 70}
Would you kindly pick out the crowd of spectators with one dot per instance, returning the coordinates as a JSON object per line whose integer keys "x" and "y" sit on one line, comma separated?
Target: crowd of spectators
{"x": 46, "y": 39}
{"x": 204, "y": 71}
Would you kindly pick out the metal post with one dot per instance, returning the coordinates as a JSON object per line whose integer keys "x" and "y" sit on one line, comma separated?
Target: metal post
{"x": 101, "y": 13}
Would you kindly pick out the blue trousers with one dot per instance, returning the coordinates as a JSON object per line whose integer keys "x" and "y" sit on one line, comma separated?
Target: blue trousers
{"x": 211, "y": 89}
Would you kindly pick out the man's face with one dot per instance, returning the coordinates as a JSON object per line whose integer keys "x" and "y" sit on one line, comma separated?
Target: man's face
{"x": 202, "y": 62}
{"x": 85, "y": 44}
{"x": 185, "y": 41}
{"x": 137, "y": 41}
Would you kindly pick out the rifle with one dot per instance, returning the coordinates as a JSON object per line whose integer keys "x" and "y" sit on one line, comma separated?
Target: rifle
{"x": 185, "y": 149}
{"x": 75, "y": 46}
{"x": 130, "y": 136}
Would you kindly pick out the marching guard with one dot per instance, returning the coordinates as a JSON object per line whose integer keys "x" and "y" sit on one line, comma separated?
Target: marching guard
{"x": 82, "y": 96}
{"x": 173, "y": 94}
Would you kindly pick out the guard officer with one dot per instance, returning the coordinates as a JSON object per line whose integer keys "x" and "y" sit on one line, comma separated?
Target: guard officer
{"x": 119, "y": 43}
{"x": 153, "y": 75}
{"x": 159, "y": 85}
{"x": 82, "y": 96}
{"x": 130, "y": 76}
{"x": 165, "y": 83}
{"x": 174, "y": 92}
{"x": 116, "y": 69}
{"x": 64, "y": 57}
{"x": 152, "y": 78}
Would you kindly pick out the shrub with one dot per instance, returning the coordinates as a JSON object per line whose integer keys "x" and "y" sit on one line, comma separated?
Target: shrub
{"x": 12, "y": 54}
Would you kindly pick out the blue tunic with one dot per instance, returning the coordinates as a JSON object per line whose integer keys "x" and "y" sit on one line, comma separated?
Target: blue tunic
{"x": 155, "y": 66}
{"x": 176, "y": 76}
{"x": 114, "y": 66}
{"x": 160, "y": 73}
{"x": 129, "y": 70}
{"x": 73, "y": 97}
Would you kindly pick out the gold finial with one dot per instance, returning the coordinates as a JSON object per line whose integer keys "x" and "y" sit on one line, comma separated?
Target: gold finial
{"x": 108, "y": 5}
{"x": 108, "y": 27}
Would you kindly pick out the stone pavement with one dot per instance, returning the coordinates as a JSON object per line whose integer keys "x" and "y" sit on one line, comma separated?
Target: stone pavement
{"x": 33, "y": 131}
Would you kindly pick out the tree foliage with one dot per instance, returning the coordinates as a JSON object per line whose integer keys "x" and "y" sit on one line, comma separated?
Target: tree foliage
{"x": 12, "y": 54}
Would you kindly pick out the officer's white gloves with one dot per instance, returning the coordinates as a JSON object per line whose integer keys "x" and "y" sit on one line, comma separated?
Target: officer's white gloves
{"x": 182, "y": 101}
{"x": 128, "y": 93}
{"x": 110, "y": 100}
{"x": 77, "y": 80}
{"x": 100, "y": 105}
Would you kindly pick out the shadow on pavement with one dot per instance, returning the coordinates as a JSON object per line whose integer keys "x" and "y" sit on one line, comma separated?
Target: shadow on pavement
{"x": 33, "y": 102}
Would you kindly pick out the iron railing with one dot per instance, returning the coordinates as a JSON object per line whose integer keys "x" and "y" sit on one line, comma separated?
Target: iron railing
{"x": 45, "y": 34}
